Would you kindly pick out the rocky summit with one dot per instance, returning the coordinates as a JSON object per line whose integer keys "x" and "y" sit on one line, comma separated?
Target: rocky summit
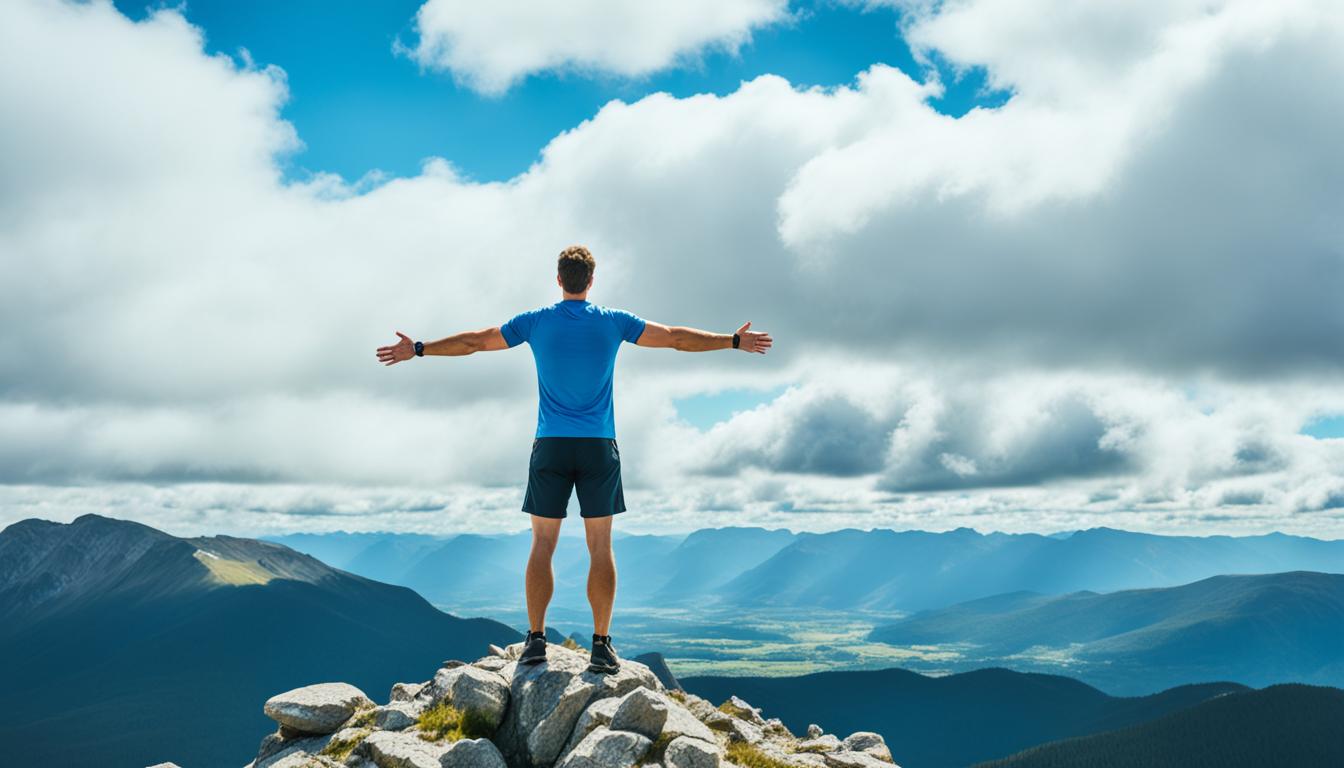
{"x": 496, "y": 713}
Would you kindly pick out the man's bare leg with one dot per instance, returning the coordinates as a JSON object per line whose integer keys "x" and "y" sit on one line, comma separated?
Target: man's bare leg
{"x": 601, "y": 571}
{"x": 540, "y": 581}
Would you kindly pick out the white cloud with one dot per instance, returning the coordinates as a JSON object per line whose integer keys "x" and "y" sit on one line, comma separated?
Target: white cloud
{"x": 989, "y": 321}
{"x": 491, "y": 46}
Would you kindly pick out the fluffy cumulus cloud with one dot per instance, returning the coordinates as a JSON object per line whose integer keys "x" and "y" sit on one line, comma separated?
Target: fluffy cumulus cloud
{"x": 491, "y": 46}
{"x": 1112, "y": 300}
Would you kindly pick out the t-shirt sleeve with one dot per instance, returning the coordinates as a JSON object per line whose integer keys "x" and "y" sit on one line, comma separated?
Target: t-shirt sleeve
{"x": 630, "y": 324}
{"x": 518, "y": 328}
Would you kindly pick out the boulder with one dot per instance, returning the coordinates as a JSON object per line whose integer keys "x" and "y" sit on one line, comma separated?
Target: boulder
{"x": 641, "y": 711}
{"x": 701, "y": 708}
{"x": 739, "y": 708}
{"x": 495, "y": 650}
{"x": 276, "y": 751}
{"x": 491, "y": 663}
{"x": 680, "y": 722}
{"x": 813, "y": 730}
{"x": 470, "y": 688}
{"x": 686, "y": 752}
{"x": 605, "y": 748}
{"x": 316, "y": 709}
{"x": 854, "y": 760}
{"x": 400, "y": 749}
{"x": 869, "y": 743}
{"x": 472, "y": 753}
{"x": 597, "y": 713}
{"x": 397, "y": 716}
{"x": 546, "y": 700}
{"x": 717, "y": 720}
{"x": 741, "y": 730}
{"x": 406, "y": 691}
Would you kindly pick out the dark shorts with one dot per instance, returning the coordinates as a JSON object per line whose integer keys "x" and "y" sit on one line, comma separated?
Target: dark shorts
{"x": 592, "y": 465}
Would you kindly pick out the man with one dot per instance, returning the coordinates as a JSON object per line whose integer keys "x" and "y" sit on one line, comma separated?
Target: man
{"x": 574, "y": 344}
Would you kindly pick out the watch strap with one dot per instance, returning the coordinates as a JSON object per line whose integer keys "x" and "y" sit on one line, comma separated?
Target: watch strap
{"x": 736, "y": 340}
{"x": 419, "y": 349}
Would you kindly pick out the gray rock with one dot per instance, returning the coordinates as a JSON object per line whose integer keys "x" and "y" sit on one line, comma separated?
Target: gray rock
{"x": 400, "y": 749}
{"x": 546, "y": 700}
{"x": 776, "y": 727}
{"x": 827, "y": 742}
{"x": 680, "y": 722}
{"x": 699, "y": 707}
{"x": 686, "y": 752}
{"x": 854, "y": 760}
{"x": 605, "y": 748}
{"x": 803, "y": 760}
{"x": 739, "y": 708}
{"x": 491, "y": 663}
{"x": 470, "y": 688}
{"x": 277, "y": 751}
{"x": 597, "y": 713}
{"x": 813, "y": 730}
{"x": 472, "y": 753}
{"x": 869, "y": 743}
{"x": 741, "y": 730}
{"x": 317, "y": 709}
{"x": 165, "y": 765}
{"x": 452, "y": 663}
{"x": 397, "y": 716}
{"x": 717, "y": 720}
{"x": 495, "y": 650}
{"x": 406, "y": 691}
{"x": 641, "y": 711}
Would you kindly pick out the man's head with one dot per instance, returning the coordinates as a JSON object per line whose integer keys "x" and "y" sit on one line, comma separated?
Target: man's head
{"x": 575, "y": 269}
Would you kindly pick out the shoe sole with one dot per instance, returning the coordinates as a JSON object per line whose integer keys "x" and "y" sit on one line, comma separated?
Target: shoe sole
{"x": 603, "y": 669}
{"x": 532, "y": 661}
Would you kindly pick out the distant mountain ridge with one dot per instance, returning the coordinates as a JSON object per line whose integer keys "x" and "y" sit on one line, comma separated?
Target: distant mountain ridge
{"x": 954, "y": 720}
{"x": 877, "y": 570}
{"x": 1289, "y": 725}
{"x": 121, "y": 640}
{"x": 1258, "y": 630}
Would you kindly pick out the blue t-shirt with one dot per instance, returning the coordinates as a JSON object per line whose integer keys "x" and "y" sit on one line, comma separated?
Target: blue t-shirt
{"x": 574, "y": 343}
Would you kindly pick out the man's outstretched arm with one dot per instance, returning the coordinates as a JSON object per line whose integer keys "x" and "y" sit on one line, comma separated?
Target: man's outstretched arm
{"x": 695, "y": 340}
{"x": 484, "y": 340}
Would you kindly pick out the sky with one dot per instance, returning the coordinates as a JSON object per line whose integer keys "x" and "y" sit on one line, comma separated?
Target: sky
{"x": 1029, "y": 265}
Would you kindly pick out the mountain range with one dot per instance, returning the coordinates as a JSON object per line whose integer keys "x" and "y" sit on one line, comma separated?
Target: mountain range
{"x": 122, "y": 643}
{"x": 1257, "y": 630}
{"x": 954, "y": 720}
{"x": 852, "y": 570}
{"x": 1288, "y": 725}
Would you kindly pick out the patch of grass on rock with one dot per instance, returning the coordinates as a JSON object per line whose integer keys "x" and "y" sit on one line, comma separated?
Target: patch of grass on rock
{"x": 444, "y": 722}
{"x": 750, "y": 756}
{"x": 572, "y": 644}
{"x": 339, "y": 749}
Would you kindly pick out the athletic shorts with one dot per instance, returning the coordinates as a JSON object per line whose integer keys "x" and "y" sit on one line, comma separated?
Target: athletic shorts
{"x": 592, "y": 465}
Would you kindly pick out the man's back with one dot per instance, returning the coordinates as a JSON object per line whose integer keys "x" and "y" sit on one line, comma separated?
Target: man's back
{"x": 574, "y": 343}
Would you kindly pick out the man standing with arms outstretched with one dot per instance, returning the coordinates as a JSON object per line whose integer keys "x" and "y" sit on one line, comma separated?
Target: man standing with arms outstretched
{"x": 574, "y": 344}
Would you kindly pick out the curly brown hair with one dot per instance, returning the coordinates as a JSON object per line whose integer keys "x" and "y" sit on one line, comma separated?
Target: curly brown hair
{"x": 575, "y": 268}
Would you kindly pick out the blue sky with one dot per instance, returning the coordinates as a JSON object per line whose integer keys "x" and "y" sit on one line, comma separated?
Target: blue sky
{"x": 358, "y": 105}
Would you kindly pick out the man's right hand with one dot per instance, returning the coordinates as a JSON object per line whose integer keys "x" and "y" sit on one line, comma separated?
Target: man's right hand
{"x": 753, "y": 341}
{"x": 402, "y": 350}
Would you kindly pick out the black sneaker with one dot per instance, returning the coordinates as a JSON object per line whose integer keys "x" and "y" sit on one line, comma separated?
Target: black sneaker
{"x": 534, "y": 648}
{"x": 603, "y": 658}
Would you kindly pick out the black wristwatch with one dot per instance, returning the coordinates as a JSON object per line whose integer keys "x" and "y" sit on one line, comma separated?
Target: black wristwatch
{"x": 736, "y": 340}
{"x": 419, "y": 349}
